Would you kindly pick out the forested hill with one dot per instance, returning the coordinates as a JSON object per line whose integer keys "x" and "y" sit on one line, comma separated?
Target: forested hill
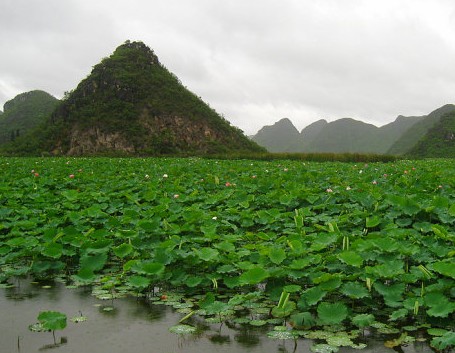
{"x": 439, "y": 140}
{"x": 25, "y": 112}
{"x": 130, "y": 104}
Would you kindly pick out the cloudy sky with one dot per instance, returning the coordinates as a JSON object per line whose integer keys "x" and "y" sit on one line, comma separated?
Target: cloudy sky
{"x": 254, "y": 61}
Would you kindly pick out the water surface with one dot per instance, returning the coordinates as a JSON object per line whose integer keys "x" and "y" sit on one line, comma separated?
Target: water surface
{"x": 134, "y": 326}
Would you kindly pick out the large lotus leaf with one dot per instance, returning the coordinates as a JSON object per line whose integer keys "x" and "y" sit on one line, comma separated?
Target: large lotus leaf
{"x": 53, "y": 250}
{"x": 452, "y": 210}
{"x": 445, "y": 268}
{"x": 399, "y": 314}
{"x": 254, "y": 275}
{"x": 332, "y": 313}
{"x": 436, "y": 331}
{"x": 439, "y": 305}
{"x": 139, "y": 282}
{"x": 277, "y": 255}
{"x": 152, "y": 268}
{"x": 93, "y": 262}
{"x": 299, "y": 264}
{"x": 372, "y": 222}
{"x": 363, "y": 320}
{"x": 292, "y": 288}
{"x": 123, "y": 250}
{"x": 226, "y": 246}
{"x": 216, "y": 307}
{"x": 323, "y": 240}
{"x": 392, "y": 293}
{"x": 389, "y": 269}
{"x": 52, "y": 320}
{"x": 303, "y": 319}
{"x": 193, "y": 281}
{"x": 207, "y": 254}
{"x": 351, "y": 258}
{"x": 314, "y": 295}
{"x": 447, "y": 340}
{"x": 443, "y": 309}
{"x": 354, "y": 290}
{"x": 328, "y": 281}
{"x": 284, "y": 310}
{"x": 71, "y": 195}
{"x": 386, "y": 244}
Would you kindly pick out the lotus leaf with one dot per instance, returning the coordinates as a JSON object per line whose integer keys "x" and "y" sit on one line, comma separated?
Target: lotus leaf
{"x": 182, "y": 329}
{"x": 332, "y": 313}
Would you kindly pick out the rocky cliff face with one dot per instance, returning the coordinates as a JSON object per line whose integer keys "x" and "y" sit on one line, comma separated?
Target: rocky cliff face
{"x": 94, "y": 141}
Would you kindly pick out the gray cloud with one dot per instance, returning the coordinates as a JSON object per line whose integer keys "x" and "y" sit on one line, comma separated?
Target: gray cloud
{"x": 253, "y": 61}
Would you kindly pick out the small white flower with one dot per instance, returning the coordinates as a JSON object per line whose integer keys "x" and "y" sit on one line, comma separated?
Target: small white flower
{"x": 214, "y": 218}
{"x": 165, "y": 175}
{"x": 329, "y": 190}
{"x": 147, "y": 176}
{"x": 348, "y": 188}
{"x": 176, "y": 196}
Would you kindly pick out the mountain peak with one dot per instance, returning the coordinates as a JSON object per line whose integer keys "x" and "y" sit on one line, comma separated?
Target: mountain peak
{"x": 278, "y": 137}
{"x": 130, "y": 104}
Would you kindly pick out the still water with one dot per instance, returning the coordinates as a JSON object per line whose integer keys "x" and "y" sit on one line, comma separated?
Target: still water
{"x": 133, "y": 326}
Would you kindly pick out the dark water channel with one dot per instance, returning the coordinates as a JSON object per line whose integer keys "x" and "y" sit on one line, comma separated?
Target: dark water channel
{"x": 133, "y": 326}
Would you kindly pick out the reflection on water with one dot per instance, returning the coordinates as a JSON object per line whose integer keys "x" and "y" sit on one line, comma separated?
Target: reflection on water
{"x": 130, "y": 325}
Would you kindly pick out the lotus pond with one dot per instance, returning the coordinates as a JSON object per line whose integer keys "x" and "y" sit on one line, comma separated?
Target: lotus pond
{"x": 317, "y": 255}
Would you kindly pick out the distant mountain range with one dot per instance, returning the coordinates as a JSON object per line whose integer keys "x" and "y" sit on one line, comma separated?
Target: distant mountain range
{"x": 353, "y": 136}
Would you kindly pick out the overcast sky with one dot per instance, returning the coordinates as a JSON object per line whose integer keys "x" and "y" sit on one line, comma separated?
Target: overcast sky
{"x": 254, "y": 61}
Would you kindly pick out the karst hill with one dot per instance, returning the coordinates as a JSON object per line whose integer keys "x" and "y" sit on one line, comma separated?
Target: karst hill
{"x": 130, "y": 105}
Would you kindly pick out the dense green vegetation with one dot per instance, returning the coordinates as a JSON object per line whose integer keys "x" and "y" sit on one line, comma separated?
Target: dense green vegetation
{"x": 25, "y": 112}
{"x": 322, "y": 247}
{"x": 439, "y": 141}
{"x": 415, "y": 133}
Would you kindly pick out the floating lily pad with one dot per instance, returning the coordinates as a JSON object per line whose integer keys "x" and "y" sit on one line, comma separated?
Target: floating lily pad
{"x": 282, "y": 333}
{"x": 182, "y": 329}
{"x": 436, "y": 331}
{"x": 339, "y": 341}
{"x": 318, "y": 334}
{"x": 77, "y": 319}
{"x": 323, "y": 348}
{"x": 258, "y": 322}
{"x": 38, "y": 327}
